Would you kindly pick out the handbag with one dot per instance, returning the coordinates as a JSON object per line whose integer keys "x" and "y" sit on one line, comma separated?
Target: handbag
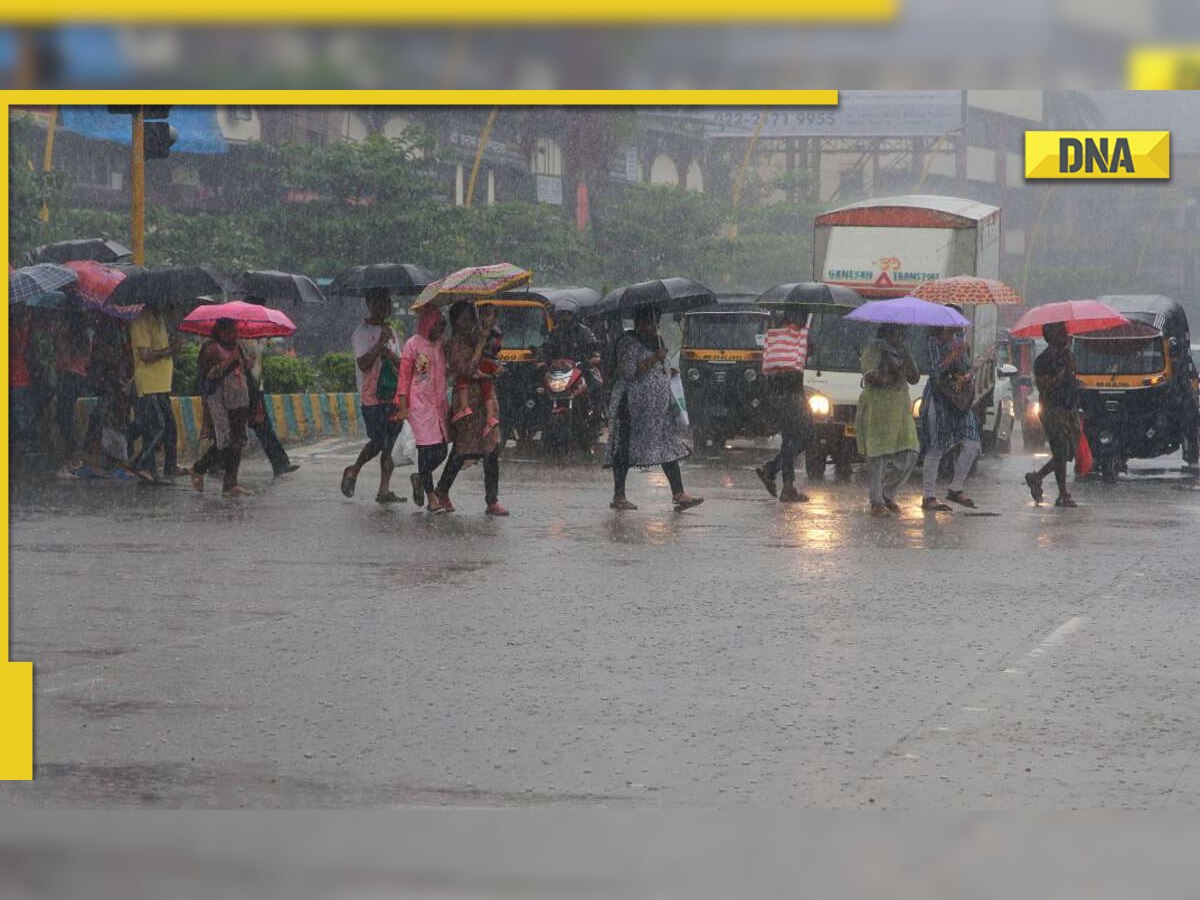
{"x": 957, "y": 391}
{"x": 1083, "y": 455}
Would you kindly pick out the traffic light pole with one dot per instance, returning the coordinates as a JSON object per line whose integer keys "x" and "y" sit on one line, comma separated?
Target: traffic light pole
{"x": 137, "y": 215}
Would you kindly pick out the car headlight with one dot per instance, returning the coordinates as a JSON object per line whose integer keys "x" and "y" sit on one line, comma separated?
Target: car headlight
{"x": 818, "y": 404}
{"x": 917, "y": 407}
{"x": 751, "y": 375}
{"x": 693, "y": 374}
{"x": 1036, "y": 407}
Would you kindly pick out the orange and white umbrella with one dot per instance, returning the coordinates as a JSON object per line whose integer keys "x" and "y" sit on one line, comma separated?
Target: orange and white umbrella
{"x": 472, "y": 283}
{"x": 967, "y": 290}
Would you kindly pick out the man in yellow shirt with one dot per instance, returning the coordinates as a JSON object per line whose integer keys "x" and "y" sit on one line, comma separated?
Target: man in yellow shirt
{"x": 153, "y": 368}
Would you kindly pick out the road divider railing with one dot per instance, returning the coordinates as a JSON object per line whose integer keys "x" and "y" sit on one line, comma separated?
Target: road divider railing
{"x": 295, "y": 417}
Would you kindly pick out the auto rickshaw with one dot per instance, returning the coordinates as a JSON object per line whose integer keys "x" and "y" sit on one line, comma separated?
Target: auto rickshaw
{"x": 525, "y": 316}
{"x": 1138, "y": 385}
{"x": 720, "y": 361}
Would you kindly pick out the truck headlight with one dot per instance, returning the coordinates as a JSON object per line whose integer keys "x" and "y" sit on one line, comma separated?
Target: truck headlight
{"x": 1036, "y": 407}
{"x": 751, "y": 375}
{"x": 693, "y": 374}
{"x": 818, "y": 404}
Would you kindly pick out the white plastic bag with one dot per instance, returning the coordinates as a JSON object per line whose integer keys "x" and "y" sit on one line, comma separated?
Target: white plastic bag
{"x": 112, "y": 444}
{"x": 404, "y": 451}
{"x": 680, "y": 403}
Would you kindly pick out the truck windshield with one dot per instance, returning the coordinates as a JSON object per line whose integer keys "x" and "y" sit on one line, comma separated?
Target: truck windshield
{"x": 719, "y": 331}
{"x": 1119, "y": 357}
{"x": 523, "y": 326}
{"x": 835, "y": 344}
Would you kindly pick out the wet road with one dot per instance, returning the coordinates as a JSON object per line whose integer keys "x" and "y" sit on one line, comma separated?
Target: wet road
{"x": 300, "y": 649}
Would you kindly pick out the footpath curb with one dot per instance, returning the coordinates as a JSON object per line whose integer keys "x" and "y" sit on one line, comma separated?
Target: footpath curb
{"x": 296, "y": 417}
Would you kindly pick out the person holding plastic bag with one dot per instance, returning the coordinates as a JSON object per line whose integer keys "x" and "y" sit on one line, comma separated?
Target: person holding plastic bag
{"x": 785, "y": 354}
{"x": 644, "y": 419}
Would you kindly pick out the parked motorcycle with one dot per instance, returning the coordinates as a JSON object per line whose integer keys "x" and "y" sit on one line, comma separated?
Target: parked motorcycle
{"x": 570, "y": 418}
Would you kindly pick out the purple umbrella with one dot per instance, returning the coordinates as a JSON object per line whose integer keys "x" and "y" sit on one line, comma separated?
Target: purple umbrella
{"x": 909, "y": 311}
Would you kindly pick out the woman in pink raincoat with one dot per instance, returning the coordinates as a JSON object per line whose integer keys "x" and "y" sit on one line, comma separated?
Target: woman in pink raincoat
{"x": 421, "y": 395}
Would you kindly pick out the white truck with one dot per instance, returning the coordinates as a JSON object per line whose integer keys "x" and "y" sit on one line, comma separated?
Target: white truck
{"x": 884, "y": 248}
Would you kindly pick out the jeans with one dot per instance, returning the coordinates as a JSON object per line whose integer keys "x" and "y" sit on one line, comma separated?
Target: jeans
{"x": 271, "y": 444}
{"x": 491, "y": 474}
{"x": 428, "y": 459}
{"x": 154, "y": 421}
{"x": 794, "y": 431}
{"x": 882, "y": 488}
{"x": 21, "y": 418}
{"x": 962, "y": 467}
{"x": 671, "y": 470}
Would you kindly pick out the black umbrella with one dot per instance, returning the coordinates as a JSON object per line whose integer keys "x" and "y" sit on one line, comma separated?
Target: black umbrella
{"x": 579, "y": 300}
{"x": 666, "y": 295}
{"x": 399, "y": 278}
{"x": 98, "y": 249}
{"x": 270, "y": 286}
{"x": 815, "y": 295}
{"x": 165, "y": 286}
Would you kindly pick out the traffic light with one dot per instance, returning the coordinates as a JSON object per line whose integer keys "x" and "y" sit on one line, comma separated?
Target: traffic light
{"x": 159, "y": 136}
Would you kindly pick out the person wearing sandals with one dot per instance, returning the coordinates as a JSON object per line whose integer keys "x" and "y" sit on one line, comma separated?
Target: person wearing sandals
{"x": 377, "y": 357}
{"x": 884, "y": 425}
{"x": 1054, "y": 371}
{"x": 946, "y": 425}
{"x": 421, "y": 401}
{"x": 226, "y": 394}
{"x": 474, "y": 441}
{"x": 643, "y": 424}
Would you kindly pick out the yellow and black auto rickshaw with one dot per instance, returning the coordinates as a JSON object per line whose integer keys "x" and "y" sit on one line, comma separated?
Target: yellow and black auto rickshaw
{"x": 720, "y": 361}
{"x": 1139, "y": 385}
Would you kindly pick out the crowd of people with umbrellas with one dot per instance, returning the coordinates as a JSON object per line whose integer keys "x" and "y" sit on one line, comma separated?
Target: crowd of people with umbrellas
{"x": 108, "y": 325}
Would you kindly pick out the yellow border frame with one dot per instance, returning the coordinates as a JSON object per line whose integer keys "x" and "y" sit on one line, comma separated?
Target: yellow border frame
{"x": 16, "y": 678}
{"x": 463, "y": 12}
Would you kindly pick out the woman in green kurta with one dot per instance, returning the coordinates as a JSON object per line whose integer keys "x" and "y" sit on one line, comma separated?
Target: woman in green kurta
{"x": 884, "y": 424}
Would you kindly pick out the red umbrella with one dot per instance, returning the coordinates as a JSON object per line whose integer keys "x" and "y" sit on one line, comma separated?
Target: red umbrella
{"x": 253, "y": 321}
{"x": 94, "y": 285}
{"x": 966, "y": 290}
{"x": 1080, "y": 317}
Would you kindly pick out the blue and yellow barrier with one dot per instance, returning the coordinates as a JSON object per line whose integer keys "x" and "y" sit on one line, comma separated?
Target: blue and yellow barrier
{"x": 296, "y": 417}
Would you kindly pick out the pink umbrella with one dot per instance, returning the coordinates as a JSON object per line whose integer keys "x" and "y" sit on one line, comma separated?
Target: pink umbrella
{"x": 253, "y": 321}
{"x": 1080, "y": 317}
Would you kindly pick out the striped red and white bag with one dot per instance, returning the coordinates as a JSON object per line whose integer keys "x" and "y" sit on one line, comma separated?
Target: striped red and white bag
{"x": 786, "y": 350}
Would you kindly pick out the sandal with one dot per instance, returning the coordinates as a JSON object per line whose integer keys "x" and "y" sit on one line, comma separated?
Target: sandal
{"x": 197, "y": 481}
{"x": 390, "y": 497}
{"x": 960, "y": 498}
{"x": 879, "y": 511}
{"x": 1035, "y": 486}
{"x": 933, "y": 504}
{"x": 892, "y": 505}
{"x": 348, "y": 481}
{"x": 145, "y": 476}
{"x": 1067, "y": 501}
{"x": 622, "y": 503}
{"x": 238, "y": 491}
{"x": 687, "y": 502}
{"x": 418, "y": 489}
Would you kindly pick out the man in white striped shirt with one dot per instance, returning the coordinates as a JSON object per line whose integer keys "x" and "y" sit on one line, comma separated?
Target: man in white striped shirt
{"x": 784, "y": 357}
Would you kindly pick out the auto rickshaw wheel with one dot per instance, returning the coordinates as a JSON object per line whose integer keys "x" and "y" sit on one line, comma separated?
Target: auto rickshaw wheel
{"x": 1108, "y": 469}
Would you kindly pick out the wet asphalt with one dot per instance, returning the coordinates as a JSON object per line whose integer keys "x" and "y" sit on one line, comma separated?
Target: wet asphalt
{"x": 298, "y": 649}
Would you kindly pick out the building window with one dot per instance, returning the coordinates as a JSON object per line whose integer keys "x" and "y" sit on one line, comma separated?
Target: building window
{"x": 239, "y": 113}
{"x": 547, "y": 158}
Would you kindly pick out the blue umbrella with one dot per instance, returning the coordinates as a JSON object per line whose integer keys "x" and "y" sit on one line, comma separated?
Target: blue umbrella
{"x": 909, "y": 311}
{"x": 31, "y": 284}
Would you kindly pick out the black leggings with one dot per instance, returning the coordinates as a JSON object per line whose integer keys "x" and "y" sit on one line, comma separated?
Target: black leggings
{"x": 491, "y": 474}
{"x": 428, "y": 459}
{"x": 674, "y": 476}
